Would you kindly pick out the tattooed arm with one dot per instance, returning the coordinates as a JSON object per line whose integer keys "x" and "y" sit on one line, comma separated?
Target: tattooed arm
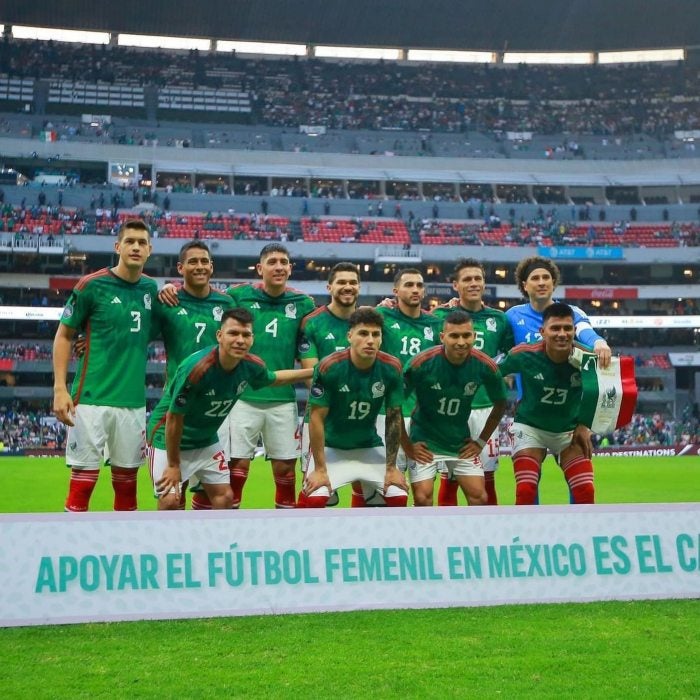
{"x": 392, "y": 439}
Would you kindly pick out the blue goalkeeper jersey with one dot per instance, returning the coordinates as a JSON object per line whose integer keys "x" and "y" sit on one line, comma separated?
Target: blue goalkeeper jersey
{"x": 526, "y": 323}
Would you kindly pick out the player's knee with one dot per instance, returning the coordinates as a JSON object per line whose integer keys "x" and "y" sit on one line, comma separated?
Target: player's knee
{"x": 477, "y": 497}
{"x": 169, "y": 501}
{"x": 422, "y": 497}
{"x": 222, "y": 501}
{"x": 525, "y": 494}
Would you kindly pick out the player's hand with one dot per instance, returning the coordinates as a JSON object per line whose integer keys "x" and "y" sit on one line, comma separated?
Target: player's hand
{"x": 168, "y": 295}
{"x": 604, "y": 353}
{"x": 315, "y": 480}
{"x": 63, "y": 406}
{"x": 452, "y": 303}
{"x": 387, "y": 303}
{"x": 470, "y": 450}
{"x": 79, "y": 346}
{"x": 582, "y": 438}
{"x": 419, "y": 452}
{"x": 170, "y": 480}
{"x": 394, "y": 477}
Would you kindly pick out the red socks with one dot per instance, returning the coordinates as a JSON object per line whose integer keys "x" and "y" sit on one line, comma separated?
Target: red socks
{"x": 527, "y": 472}
{"x": 447, "y": 492}
{"x": 82, "y": 484}
{"x": 311, "y": 501}
{"x": 490, "y": 486}
{"x": 357, "y": 500}
{"x": 284, "y": 490}
{"x": 239, "y": 475}
{"x": 578, "y": 473}
{"x": 200, "y": 501}
{"x": 124, "y": 485}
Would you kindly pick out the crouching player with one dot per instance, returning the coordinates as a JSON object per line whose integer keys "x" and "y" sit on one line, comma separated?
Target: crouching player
{"x": 547, "y": 415}
{"x": 182, "y": 430}
{"x": 445, "y": 380}
{"x": 348, "y": 389}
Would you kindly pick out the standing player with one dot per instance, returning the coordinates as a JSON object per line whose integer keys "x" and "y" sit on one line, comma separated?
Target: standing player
{"x": 537, "y": 278}
{"x": 107, "y": 404}
{"x": 546, "y": 417}
{"x": 348, "y": 389}
{"x": 446, "y": 380}
{"x": 271, "y": 412}
{"x": 183, "y": 427}
{"x": 492, "y": 336}
{"x": 408, "y": 330}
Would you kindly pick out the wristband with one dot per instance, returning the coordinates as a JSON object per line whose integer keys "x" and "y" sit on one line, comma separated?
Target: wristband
{"x": 481, "y": 443}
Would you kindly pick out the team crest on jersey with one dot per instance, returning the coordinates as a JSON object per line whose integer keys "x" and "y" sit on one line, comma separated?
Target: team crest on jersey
{"x": 147, "y": 300}
{"x": 491, "y": 325}
{"x": 290, "y": 311}
{"x": 304, "y": 345}
{"x": 378, "y": 390}
{"x": 428, "y": 333}
{"x": 241, "y": 387}
{"x": 470, "y": 388}
{"x": 317, "y": 391}
{"x": 67, "y": 312}
{"x": 575, "y": 379}
{"x": 217, "y": 312}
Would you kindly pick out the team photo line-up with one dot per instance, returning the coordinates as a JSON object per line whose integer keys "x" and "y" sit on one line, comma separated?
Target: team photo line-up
{"x": 398, "y": 397}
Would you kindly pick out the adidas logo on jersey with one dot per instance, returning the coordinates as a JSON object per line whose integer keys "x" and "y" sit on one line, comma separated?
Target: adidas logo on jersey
{"x": 521, "y": 322}
{"x": 211, "y": 392}
{"x": 116, "y": 300}
{"x": 539, "y": 376}
{"x": 396, "y": 325}
{"x": 437, "y": 387}
{"x": 182, "y": 312}
{"x": 255, "y": 305}
{"x": 330, "y": 336}
{"x": 345, "y": 389}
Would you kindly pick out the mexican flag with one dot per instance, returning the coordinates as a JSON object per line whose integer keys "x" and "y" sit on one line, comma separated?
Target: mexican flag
{"x": 609, "y": 396}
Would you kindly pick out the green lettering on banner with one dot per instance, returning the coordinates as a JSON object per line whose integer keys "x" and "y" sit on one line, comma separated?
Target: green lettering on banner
{"x": 127, "y": 576}
{"x": 46, "y": 577}
{"x": 173, "y": 570}
{"x": 650, "y": 555}
{"x": 370, "y": 565}
{"x": 348, "y": 558}
{"x": 688, "y": 552}
{"x": 464, "y": 563}
{"x": 389, "y": 564}
{"x": 499, "y": 562}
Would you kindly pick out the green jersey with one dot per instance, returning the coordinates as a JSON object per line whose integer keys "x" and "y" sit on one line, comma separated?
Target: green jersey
{"x": 493, "y": 335}
{"x": 276, "y": 325}
{"x": 404, "y": 337}
{"x": 322, "y": 334}
{"x": 189, "y": 326}
{"x": 204, "y": 392}
{"x": 551, "y": 393}
{"x": 445, "y": 393}
{"x": 116, "y": 317}
{"x": 354, "y": 396}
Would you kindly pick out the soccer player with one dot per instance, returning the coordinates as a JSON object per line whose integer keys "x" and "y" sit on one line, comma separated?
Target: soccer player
{"x": 446, "y": 380}
{"x": 492, "y": 336}
{"x": 348, "y": 389}
{"x": 271, "y": 412}
{"x": 546, "y": 417}
{"x": 408, "y": 330}
{"x": 182, "y": 429}
{"x": 107, "y": 404}
{"x": 537, "y": 278}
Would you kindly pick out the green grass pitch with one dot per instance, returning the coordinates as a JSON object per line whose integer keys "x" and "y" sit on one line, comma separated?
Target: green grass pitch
{"x": 645, "y": 649}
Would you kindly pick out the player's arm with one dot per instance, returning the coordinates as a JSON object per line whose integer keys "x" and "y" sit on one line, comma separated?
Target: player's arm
{"x": 317, "y": 441}
{"x": 291, "y": 376}
{"x": 309, "y": 363}
{"x": 582, "y": 437}
{"x": 62, "y": 401}
{"x": 417, "y": 451}
{"x": 476, "y": 444}
{"x": 174, "y": 423}
{"x": 586, "y": 335}
{"x": 168, "y": 294}
{"x": 392, "y": 439}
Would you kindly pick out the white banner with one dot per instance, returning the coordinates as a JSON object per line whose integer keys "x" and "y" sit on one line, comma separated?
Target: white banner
{"x": 66, "y": 568}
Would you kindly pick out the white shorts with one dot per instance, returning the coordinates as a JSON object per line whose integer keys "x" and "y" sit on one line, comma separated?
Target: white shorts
{"x": 365, "y": 464}
{"x": 402, "y": 462}
{"x": 453, "y": 466}
{"x": 526, "y": 437}
{"x": 121, "y": 431}
{"x": 247, "y": 422}
{"x": 207, "y": 464}
{"x": 492, "y": 449}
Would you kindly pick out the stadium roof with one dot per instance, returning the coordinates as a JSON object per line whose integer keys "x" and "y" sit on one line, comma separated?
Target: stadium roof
{"x": 488, "y": 25}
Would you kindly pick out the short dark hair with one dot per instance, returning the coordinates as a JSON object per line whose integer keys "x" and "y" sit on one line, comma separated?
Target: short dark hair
{"x": 366, "y": 314}
{"x": 273, "y": 248}
{"x": 405, "y": 271}
{"x": 457, "y": 318}
{"x": 343, "y": 267}
{"x": 238, "y": 313}
{"x": 526, "y": 266}
{"x": 135, "y": 224}
{"x": 189, "y": 246}
{"x": 466, "y": 262}
{"x": 557, "y": 310}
